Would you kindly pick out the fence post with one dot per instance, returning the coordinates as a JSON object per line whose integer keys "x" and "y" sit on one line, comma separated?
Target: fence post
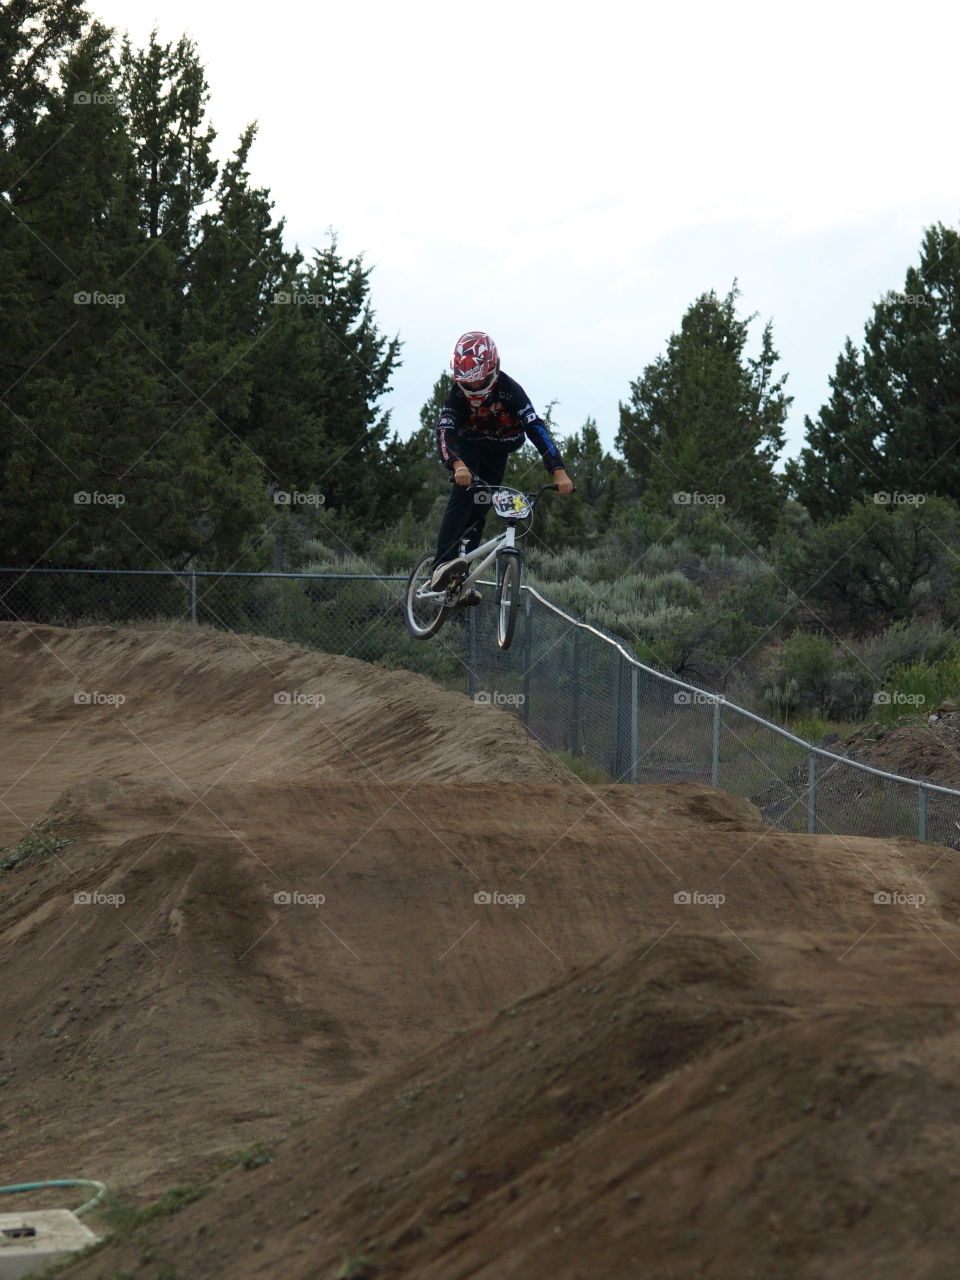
{"x": 527, "y": 656}
{"x": 615, "y": 769}
{"x": 471, "y": 652}
{"x": 923, "y": 813}
{"x": 812, "y": 793}
{"x": 634, "y": 727}
{"x": 575, "y": 696}
{"x": 715, "y": 755}
{"x": 193, "y": 595}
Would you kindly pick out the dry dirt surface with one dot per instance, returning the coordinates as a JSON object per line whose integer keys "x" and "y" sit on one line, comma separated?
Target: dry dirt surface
{"x": 408, "y": 1001}
{"x": 913, "y": 750}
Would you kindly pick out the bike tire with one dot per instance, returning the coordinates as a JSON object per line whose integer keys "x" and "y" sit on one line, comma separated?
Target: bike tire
{"x": 508, "y": 596}
{"x": 427, "y": 621}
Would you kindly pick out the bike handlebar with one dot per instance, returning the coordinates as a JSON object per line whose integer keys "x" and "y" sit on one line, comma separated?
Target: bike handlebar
{"x": 477, "y": 483}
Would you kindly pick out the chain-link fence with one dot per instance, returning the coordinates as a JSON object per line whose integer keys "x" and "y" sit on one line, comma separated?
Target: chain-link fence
{"x": 577, "y": 689}
{"x": 582, "y": 691}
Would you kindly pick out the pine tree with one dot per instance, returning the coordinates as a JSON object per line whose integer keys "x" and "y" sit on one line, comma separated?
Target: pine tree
{"x": 705, "y": 422}
{"x": 892, "y": 425}
{"x": 841, "y": 461}
{"x": 147, "y": 350}
{"x": 320, "y": 370}
{"x": 416, "y": 460}
{"x": 75, "y": 361}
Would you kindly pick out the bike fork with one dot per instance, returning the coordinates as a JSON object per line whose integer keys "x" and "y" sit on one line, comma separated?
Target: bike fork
{"x": 509, "y": 548}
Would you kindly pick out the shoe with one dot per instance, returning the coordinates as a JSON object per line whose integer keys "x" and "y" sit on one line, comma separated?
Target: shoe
{"x": 444, "y": 572}
{"x": 470, "y": 599}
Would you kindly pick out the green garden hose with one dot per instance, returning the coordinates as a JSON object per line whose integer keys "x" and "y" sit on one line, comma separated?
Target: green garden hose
{"x": 63, "y": 1182}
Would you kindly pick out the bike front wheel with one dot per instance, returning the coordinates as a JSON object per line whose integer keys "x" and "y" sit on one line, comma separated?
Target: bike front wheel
{"x": 424, "y": 618}
{"x": 508, "y": 595}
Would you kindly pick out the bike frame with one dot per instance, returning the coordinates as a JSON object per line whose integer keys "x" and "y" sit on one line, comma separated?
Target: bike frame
{"x": 486, "y": 553}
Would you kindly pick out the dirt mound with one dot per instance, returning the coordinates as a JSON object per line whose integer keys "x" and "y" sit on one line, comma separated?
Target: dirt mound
{"x": 204, "y": 706}
{"x": 691, "y": 1110}
{"x": 929, "y": 751}
{"x": 366, "y": 934}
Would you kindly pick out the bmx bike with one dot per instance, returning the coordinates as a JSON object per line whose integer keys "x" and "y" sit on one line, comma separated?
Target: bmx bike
{"x": 426, "y": 610}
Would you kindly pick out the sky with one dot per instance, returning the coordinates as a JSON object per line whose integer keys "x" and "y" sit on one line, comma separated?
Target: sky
{"x": 571, "y": 178}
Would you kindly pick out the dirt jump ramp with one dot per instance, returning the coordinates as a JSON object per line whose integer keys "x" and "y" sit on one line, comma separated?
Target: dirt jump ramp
{"x": 377, "y": 928}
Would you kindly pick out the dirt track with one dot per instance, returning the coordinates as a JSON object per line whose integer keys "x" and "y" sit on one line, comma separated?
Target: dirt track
{"x": 762, "y": 1087}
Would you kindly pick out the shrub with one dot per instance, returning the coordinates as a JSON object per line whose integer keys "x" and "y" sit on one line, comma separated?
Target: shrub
{"x": 671, "y": 557}
{"x": 876, "y": 565}
{"x": 812, "y": 676}
{"x": 918, "y": 688}
{"x": 903, "y": 644}
{"x": 704, "y": 528}
{"x": 704, "y": 644}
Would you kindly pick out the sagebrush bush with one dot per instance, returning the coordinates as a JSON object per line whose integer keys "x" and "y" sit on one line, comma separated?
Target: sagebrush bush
{"x": 905, "y": 643}
{"x": 671, "y": 557}
{"x": 550, "y": 567}
{"x": 324, "y": 559}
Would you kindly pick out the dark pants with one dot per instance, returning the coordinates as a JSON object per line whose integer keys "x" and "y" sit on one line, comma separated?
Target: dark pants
{"x": 464, "y": 516}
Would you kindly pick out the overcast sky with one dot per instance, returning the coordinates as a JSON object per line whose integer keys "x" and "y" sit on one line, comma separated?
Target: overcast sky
{"x": 571, "y": 179}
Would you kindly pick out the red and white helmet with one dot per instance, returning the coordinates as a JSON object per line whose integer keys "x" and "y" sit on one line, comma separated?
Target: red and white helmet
{"x": 475, "y": 363}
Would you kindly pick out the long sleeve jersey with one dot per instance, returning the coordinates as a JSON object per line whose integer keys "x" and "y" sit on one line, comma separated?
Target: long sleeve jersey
{"x": 504, "y": 418}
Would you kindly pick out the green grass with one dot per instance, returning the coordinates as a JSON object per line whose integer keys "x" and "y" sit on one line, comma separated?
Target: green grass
{"x": 252, "y": 1157}
{"x": 123, "y": 1221}
{"x": 813, "y": 728}
{"x": 35, "y": 846}
{"x": 355, "y": 1267}
{"x": 915, "y": 690}
{"x": 585, "y": 771}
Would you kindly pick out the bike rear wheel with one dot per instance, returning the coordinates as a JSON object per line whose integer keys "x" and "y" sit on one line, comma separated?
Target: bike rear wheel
{"x": 424, "y": 618}
{"x": 508, "y": 595}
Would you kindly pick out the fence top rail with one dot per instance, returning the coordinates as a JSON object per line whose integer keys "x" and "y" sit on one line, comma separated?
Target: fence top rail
{"x": 718, "y": 699}
{"x": 215, "y": 573}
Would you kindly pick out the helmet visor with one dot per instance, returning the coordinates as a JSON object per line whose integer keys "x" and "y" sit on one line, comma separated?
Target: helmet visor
{"x": 477, "y": 390}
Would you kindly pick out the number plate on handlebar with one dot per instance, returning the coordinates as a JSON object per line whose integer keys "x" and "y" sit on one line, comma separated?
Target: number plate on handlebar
{"x": 510, "y": 504}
